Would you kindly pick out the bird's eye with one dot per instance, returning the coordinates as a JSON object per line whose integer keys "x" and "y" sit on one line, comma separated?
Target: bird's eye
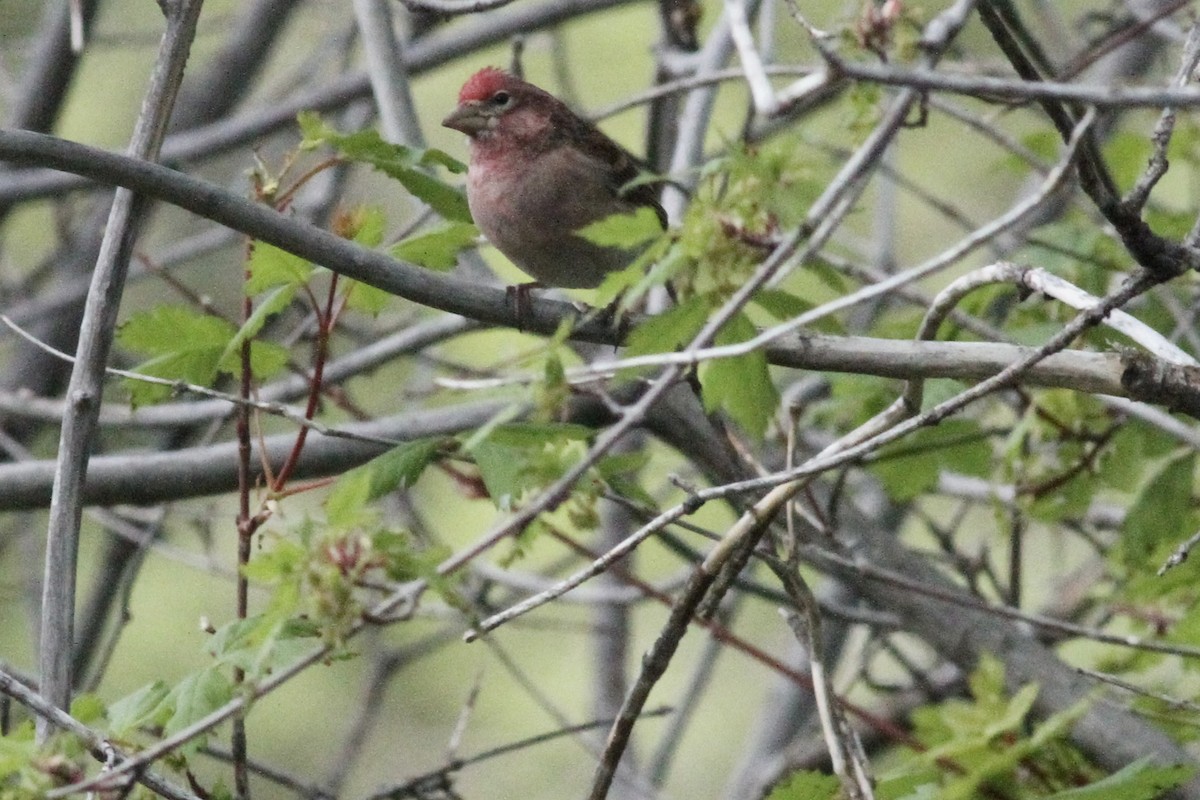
{"x": 501, "y": 99}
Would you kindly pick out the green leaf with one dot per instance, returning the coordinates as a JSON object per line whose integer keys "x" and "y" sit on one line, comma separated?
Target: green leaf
{"x": 806, "y": 785}
{"x": 365, "y": 298}
{"x": 402, "y": 466}
{"x": 270, "y": 266}
{"x": 398, "y": 467}
{"x": 620, "y": 472}
{"x": 1160, "y": 511}
{"x": 503, "y": 471}
{"x": 266, "y": 359}
{"x": 920, "y": 785}
{"x": 1001, "y": 762}
{"x": 740, "y": 385}
{"x": 171, "y": 329}
{"x": 634, "y": 281}
{"x": 501, "y": 417}
{"x": 272, "y": 304}
{"x": 437, "y": 249}
{"x": 517, "y": 457}
{"x": 184, "y": 345}
{"x": 369, "y": 224}
{"x": 262, "y": 643}
{"x": 346, "y": 504}
{"x": 781, "y": 305}
{"x": 406, "y": 164}
{"x": 143, "y": 707}
{"x": 669, "y": 330}
{"x": 280, "y": 563}
{"x": 911, "y": 467}
{"x": 192, "y": 366}
{"x": 625, "y": 230}
{"x": 450, "y": 203}
{"x": 194, "y": 698}
{"x": 1141, "y": 780}
{"x": 538, "y": 434}
{"x": 88, "y": 708}
{"x": 432, "y": 156}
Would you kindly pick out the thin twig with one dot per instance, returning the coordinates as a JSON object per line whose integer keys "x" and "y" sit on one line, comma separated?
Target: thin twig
{"x": 102, "y": 749}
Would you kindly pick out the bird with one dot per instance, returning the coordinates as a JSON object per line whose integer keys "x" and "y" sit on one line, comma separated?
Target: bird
{"x": 538, "y": 173}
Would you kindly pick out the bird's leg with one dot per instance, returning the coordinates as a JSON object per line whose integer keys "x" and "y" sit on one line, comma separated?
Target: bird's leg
{"x": 519, "y": 296}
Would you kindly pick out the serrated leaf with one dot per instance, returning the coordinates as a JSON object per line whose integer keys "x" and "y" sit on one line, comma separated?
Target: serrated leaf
{"x": 138, "y": 709}
{"x": 190, "y": 366}
{"x": 365, "y": 298}
{"x": 262, "y": 643}
{"x": 161, "y": 329}
{"x": 432, "y": 155}
{"x": 670, "y": 330}
{"x": 272, "y": 304}
{"x": 399, "y": 467}
{"x": 270, "y": 266}
{"x": 740, "y": 385}
{"x": 267, "y": 359}
{"x": 437, "y": 249}
{"x": 1160, "y": 511}
{"x": 502, "y": 470}
{"x": 449, "y": 202}
{"x": 626, "y": 230}
{"x": 312, "y": 129}
{"x": 405, "y": 164}
{"x": 194, "y": 698}
{"x": 184, "y": 345}
{"x": 1141, "y": 780}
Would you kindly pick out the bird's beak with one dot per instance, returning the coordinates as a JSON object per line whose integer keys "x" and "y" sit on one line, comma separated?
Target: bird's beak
{"x": 467, "y": 118}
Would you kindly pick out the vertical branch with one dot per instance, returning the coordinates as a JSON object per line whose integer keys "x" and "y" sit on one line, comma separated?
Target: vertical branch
{"x": 844, "y": 753}
{"x": 679, "y": 19}
{"x": 245, "y": 535}
{"x": 386, "y": 70}
{"x": 612, "y": 626}
{"x": 95, "y": 340}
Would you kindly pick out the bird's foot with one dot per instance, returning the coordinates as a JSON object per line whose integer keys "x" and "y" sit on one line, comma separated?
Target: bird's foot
{"x": 518, "y": 295}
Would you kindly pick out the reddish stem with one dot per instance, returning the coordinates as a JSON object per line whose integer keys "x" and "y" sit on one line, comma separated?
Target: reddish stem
{"x": 325, "y": 322}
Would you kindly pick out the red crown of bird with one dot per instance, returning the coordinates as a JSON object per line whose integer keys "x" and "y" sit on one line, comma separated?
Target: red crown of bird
{"x": 484, "y": 84}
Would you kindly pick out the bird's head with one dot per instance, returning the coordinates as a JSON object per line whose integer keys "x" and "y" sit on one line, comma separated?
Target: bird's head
{"x": 493, "y": 102}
